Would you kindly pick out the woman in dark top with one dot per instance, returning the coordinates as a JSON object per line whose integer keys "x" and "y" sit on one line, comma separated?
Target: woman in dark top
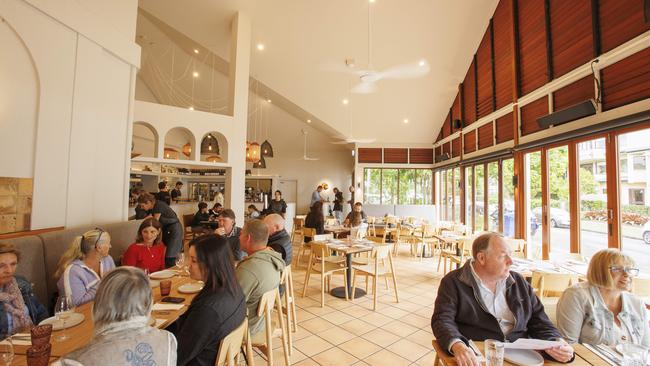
{"x": 217, "y": 310}
{"x": 338, "y": 205}
{"x": 277, "y": 205}
{"x": 315, "y": 220}
{"x": 172, "y": 230}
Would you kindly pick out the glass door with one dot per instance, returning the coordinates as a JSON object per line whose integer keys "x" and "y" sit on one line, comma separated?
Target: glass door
{"x": 533, "y": 202}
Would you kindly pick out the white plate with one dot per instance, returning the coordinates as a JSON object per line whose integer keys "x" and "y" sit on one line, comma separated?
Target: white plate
{"x": 523, "y": 357}
{"x": 74, "y": 319}
{"x": 190, "y": 288}
{"x": 161, "y": 275}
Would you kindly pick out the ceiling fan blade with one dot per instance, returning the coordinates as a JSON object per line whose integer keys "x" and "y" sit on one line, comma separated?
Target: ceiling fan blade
{"x": 406, "y": 71}
{"x": 360, "y": 141}
{"x": 337, "y": 67}
{"x": 339, "y": 142}
{"x": 364, "y": 88}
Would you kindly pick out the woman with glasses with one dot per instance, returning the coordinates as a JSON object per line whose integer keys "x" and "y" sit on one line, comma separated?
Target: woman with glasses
{"x": 83, "y": 265}
{"x": 602, "y": 310}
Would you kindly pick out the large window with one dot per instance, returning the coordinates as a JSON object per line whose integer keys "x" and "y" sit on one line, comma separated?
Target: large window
{"x": 469, "y": 178}
{"x": 634, "y": 209}
{"x": 457, "y": 212}
{"x": 593, "y": 202}
{"x": 493, "y": 195}
{"x": 479, "y": 207}
{"x": 399, "y": 186}
{"x": 558, "y": 218}
{"x": 533, "y": 201}
{"x": 508, "y": 189}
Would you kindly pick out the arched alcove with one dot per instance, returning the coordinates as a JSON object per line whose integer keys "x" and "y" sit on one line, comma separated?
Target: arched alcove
{"x": 214, "y": 148}
{"x": 145, "y": 140}
{"x": 179, "y": 144}
{"x": 19, "y": 90}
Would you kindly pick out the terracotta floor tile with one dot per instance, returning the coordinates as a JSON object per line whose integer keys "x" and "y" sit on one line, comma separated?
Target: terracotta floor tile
{"x": 357, "y": 327}
{"x": 316, "y": 325}
{"x": 312, "y": 345}
{"x": 336, "y": 335}
{"x": 399, "y": 328}
{"x": 408, "y": 350}
{"x": 360, "y": 348}
{"x": 381, "y": 337}
{"x": 337, "y": 317}
{"x": 386, "y": 358}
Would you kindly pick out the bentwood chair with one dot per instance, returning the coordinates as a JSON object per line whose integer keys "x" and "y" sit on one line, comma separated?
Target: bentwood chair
{"x": 228, "y": 353}
{"x": 286, "y": 280}
{"x": 377, "y": 268}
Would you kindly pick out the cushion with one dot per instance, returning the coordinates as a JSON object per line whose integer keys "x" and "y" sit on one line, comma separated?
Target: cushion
{"x": 31, "y": 264}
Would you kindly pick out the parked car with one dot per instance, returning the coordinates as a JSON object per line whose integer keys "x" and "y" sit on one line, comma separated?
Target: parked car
{"x": 559, "y": 217}
{"x": 646, "y": 232}
{"x": 509, "y": 220}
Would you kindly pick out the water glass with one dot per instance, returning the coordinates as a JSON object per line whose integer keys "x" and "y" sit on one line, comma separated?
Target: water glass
{"x": 494, "y": 351}
{"x": 63, "y": 310}
{"x": 634, "y": 355}
{"x": 6, "y": 352}
{"x": 165, "y": 287}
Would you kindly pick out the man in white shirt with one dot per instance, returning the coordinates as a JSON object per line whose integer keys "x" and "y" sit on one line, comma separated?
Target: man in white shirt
{"x": 484, "y": 300}
{"x": 315, "y": 196}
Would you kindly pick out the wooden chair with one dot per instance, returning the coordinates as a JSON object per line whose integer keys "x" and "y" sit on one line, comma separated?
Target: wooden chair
{"x": 463, "y": 252}
{"x": 379, "y": 254}
{"x": 298, "y": 226}
{"x": 404, "y": 236}
{"x": 305, "y": 232}
{"x": 552, "y": 284}
{"x": 371, "y": 225}
{"x": 269, "y": 300}
{"x": 641, "y": 287}
{"x": 187, "y": 227}
{"x": 318, "y": 263}
{"x": 518, "y": 247}
{"x": 332, "y": 222}
{"x": 286, "y": 279}
{"x": 428, "y": 239}
{"x": 359, "y": 232}
{"x": 228, "y": 353}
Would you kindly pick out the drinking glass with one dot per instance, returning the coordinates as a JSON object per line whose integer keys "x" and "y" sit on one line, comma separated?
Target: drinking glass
{"x": 180, "y": 263}
{"x": 494, "y": 351}
{"x": 6, "y": 352}
{"x": 634, "y": 355}
{"x": 63, "y": 311}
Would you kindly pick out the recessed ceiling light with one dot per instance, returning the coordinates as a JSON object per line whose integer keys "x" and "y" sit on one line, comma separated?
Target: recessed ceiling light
{"x": 195, "y": 74}
{"x": 345, "y": 101}
{"x": 406, "y": 120}
{"x": 422, "y": 63}
{"x": 260, "y": 46}
{"x": 196, "y": 51}
{"x": 371, "y": 1}
{"x": 268, "y": 100}
{"x": 308, "y": 121}
{"x": 191, "y": 108}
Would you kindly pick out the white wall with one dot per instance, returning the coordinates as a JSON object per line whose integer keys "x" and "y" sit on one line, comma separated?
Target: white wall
{"x": 284, "y": 132}
{"x": 86, "y": 74}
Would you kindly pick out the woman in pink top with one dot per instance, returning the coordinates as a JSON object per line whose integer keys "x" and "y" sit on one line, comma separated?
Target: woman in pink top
{"x": 147, "y": 253}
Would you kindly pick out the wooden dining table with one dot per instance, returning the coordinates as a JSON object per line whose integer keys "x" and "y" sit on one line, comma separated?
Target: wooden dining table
{"x": 81, "y": 334}
{"x": 583, "y": 356}
{"x": 336, "y": 230}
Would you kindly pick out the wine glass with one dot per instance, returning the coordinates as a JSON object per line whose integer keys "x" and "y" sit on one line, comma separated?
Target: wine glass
{"x": 63, "y": 311}
{"x": 6, "y": 352}
{"x": 180, "y": 263}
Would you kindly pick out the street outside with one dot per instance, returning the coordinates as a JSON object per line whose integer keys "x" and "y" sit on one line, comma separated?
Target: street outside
{"x": 593, "y": 238}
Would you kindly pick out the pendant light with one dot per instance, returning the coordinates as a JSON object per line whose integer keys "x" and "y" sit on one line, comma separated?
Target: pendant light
{"x": 267, "y": 149}
{"x": 210, "y": 145}
{"x": 261, "y": 164}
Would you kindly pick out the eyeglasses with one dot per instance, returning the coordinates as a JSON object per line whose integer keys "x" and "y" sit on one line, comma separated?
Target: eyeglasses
{"x": 631, "y": 271}
{"x": 101, "y": 231}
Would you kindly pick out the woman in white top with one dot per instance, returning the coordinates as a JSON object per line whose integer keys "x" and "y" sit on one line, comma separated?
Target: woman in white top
{"x": 602, "y": 310}
{"x": 83, "y": 265}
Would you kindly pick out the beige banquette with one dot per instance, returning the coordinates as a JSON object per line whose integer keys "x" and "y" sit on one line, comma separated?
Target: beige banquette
{"x": 39, "y": 254}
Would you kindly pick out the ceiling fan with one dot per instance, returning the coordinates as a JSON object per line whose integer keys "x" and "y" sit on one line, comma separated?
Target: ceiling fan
{"x": 369, "y": 76}
{"x": 304, "y": 151}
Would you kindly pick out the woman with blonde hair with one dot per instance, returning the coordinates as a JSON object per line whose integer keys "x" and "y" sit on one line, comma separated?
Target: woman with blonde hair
{"x": 83, "y": 265}
{"x": 602, "y": 310}
{"x": 122, "y": 335}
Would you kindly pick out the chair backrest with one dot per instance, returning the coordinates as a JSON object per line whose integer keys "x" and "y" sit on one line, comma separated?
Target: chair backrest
{"x": 187, "y": 220}
{"x": 641, "y": 287}
{"x": 552, "y": 284}
{"x": 231, "y": 344}
{"x": 332, "y": 222}
{"x": 390, "y": 220}
{"x": 267, "y": 302}
{"x": 284, "y": 275}
{"x": 359, "y": 232}
{"x": 309, "y": 232}
{"x": 298, "y": 223}
{"x": 319, "y": 249}
{"x": 323, "y": 237}
{"x": 517, "y": 245}
{"x": 380, "y": 252}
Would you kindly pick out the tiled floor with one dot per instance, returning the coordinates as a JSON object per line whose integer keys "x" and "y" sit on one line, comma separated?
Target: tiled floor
{"x": 350, "y": 333}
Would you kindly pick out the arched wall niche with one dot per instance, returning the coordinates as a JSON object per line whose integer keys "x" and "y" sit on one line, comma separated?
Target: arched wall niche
{"x": 211, "y": 141}
{"x": 180, "y": 144}
{"x": 145, "y": 140}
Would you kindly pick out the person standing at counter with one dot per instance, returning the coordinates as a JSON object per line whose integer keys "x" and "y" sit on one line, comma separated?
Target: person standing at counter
{"x": 316, "y": 197}
{"x": 231, "y": 232}
{"x": 163, "y": 193}
{"x": 176, "y": 192}
{"x": 218, "y": 198}
{"x": 277, "y": 205}
{"x": 171, "y": 226}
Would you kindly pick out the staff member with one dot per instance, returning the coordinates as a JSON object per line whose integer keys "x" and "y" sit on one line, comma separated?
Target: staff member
{"x": 172, "y": 229}
{"x": 176, "y": 192}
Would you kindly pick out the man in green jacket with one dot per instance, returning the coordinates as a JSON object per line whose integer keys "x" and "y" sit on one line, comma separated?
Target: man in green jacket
{"x": 258, "y": 273}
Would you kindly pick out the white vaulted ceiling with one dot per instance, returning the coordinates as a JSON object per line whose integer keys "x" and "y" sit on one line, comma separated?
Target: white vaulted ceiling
{"x": 304, "y": 37}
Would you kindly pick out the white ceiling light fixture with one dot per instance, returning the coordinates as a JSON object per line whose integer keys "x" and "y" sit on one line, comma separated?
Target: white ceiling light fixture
{"x": 308, "y": 121}
{"x": 260, "y": 46}
{"x": 370, "y": 76}
{"x": 346, "y": 102}
{"x": 191, "y": 108}
{"x": 406, "y": 120}
{"x": 196, "y": 51}
{"x": 195, "y": 74}
{"x": 268, "y": 100}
